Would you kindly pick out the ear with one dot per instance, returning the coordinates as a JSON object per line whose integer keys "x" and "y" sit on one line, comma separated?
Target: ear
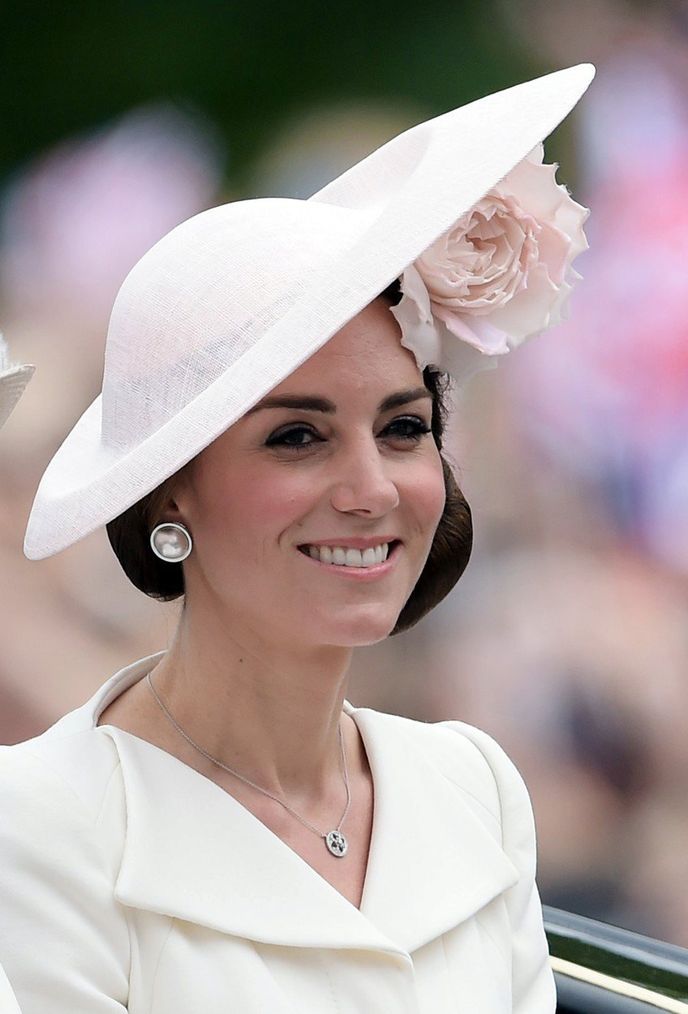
{"x": 172, "y": 512}
{"x": 170, "y": 500}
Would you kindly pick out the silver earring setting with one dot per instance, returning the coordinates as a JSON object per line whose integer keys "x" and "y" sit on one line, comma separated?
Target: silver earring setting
{"x": 171, "y": 542}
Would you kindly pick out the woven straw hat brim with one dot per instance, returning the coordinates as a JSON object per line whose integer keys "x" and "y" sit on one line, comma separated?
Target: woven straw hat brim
{"x": 12, "y": 384}
{"x": 400, "y": 199}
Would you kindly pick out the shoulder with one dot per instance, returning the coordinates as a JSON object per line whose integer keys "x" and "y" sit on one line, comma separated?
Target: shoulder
{"x": 81, "y": 759}
{"x": 62, "y": 837}
{"x": 472, "y": 761}
{"x": 464, "y": 753}
{"x": 74, "y": 760}
{"x": 63, "y": 787}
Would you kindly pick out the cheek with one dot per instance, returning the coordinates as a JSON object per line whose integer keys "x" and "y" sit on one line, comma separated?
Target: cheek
{"x": 256, "y": 508}
{"x": 427, "y": 494}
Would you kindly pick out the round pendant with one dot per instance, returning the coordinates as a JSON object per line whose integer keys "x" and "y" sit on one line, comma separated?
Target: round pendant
{"x": 336, "y": 843}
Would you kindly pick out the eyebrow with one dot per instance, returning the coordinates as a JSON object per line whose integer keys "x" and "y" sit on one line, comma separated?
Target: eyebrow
{"x": 311, "y": 403}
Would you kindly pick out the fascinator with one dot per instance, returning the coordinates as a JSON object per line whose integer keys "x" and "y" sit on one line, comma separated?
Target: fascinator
{"x": 13, "y": 380}
{"x": 232, "y": 301}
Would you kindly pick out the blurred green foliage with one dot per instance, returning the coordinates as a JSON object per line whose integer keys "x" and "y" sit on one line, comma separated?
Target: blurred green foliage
{"x": 68, "y": 67}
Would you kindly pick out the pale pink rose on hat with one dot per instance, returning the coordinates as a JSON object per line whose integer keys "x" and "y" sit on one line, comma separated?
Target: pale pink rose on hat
{"x": 501, "y": 274}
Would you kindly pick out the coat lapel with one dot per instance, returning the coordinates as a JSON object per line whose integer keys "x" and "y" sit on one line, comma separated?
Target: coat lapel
{"x": 191, "y": 851}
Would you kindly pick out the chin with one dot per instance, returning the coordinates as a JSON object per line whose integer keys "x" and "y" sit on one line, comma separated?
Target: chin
{"x": 357, "y": 628}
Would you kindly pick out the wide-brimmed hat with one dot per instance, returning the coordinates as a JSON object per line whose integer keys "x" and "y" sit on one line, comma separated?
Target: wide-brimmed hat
{"x": 232, "y": 301}
{"x": 13, "y": 380}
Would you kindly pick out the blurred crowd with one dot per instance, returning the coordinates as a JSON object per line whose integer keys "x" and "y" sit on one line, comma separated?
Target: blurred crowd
{"x": 568, "y": 636}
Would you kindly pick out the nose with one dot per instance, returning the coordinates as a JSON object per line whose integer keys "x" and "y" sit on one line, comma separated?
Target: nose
{"x": 363, "y": 484}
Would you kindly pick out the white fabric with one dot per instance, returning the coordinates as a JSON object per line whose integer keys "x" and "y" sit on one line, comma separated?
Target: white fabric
{"x": 232, "y": 301}
{"x": 8, "y": 1002}
{"x": 13, "y": 380}
{"x": 128, "y": 881}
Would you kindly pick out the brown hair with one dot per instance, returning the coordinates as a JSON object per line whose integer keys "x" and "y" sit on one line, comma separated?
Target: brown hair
{"x": 129, "y": 533}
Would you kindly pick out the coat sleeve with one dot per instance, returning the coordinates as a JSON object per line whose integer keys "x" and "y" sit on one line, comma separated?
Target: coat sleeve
{"x": 533, "y": 989}
{"x": 64, "y": 941}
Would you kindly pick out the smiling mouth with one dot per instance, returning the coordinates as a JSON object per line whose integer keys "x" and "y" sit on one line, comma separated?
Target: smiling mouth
{"x": 344, "y": 556}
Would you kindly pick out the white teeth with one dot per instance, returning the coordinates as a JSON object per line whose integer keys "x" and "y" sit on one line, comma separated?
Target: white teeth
{"x": 342, "y": 556}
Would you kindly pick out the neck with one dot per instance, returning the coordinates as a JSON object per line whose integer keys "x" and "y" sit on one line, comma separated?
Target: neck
{"x": 269, "y": 711}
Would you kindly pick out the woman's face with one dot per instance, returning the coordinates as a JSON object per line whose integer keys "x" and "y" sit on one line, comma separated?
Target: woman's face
{"x": 312, "y": 517}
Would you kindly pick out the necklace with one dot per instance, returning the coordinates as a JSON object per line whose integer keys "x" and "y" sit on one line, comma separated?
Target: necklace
{"x": 335, "y": 840}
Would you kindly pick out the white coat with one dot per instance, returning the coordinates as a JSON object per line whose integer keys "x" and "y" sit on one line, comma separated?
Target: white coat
{"x": 8, "y": 1002}
{"x": 130, "y": 882}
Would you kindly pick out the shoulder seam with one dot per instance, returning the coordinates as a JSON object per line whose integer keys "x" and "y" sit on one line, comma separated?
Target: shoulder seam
{"x": 45, "y": 767}
{"x": 500, "y": 815}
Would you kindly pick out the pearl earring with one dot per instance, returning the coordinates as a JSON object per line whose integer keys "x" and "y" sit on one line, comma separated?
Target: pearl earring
{"x": 171, "y": 542}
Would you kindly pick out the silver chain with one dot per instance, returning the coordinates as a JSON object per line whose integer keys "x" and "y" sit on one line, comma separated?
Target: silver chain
{"x": 248, "y": 781}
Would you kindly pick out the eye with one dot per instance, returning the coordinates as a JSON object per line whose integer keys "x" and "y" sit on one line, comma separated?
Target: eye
{"x": 409, "y": 428}
{"x": 293, "y": 436}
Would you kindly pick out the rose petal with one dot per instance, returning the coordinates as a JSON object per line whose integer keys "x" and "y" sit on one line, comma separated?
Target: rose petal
{"x": 554, "y": 249}
{"x": 476, "y": 331}
{"x": 463, "y": 361}
{"x": 418, "y": 326}
{"x": 413, "y": 288}
{"x": 528, "y": 313}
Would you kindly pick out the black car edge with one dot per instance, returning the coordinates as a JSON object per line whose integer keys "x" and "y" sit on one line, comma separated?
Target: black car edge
{"x": 601, "y": 969}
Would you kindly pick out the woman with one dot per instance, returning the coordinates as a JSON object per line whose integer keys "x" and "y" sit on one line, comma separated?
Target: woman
{"x": 218, "y": 828}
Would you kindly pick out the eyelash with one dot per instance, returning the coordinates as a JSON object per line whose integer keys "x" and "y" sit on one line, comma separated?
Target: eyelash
{"x": 280, "y": 438}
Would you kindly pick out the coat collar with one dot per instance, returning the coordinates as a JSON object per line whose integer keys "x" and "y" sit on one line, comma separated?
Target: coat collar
{"x": 193, "y": 852}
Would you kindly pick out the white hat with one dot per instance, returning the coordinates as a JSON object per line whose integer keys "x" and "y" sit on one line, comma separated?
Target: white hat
{"x": 232, "y": 301}
{"x": 13, "y": 380}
